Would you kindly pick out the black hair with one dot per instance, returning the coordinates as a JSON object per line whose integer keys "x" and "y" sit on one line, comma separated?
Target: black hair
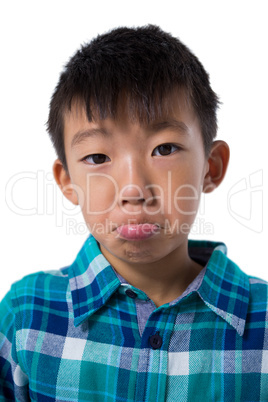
{"x": 144, "y": 64}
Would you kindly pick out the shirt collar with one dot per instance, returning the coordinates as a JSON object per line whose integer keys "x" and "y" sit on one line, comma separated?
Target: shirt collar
{"x": 224, "y": 287}
{"x": 92, "y": 281}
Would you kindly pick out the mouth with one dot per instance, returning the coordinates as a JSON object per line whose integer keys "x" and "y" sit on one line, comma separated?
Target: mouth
{"x": 136, "y": 232}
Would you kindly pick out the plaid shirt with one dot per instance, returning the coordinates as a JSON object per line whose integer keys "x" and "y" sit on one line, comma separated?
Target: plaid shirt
{"x": 84, "y": 334}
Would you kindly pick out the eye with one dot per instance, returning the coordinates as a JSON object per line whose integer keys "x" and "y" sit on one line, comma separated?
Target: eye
{"x": 96, "y": 159}
{"x": 165, "y": 149}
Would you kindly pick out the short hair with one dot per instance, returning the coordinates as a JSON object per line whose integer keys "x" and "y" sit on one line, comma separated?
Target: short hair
{"x": 145, "y": 64}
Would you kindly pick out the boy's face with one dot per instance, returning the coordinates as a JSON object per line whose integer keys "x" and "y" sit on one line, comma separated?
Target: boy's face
{"x": 138, "y": 186}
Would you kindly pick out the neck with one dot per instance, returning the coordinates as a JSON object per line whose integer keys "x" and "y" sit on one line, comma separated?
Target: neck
{"x": 162, "y": 281}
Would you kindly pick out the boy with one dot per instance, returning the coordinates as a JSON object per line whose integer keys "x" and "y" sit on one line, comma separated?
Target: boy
{"x": 143, "y": 313}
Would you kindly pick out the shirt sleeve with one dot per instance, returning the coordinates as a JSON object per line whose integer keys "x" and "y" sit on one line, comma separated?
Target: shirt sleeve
{"x": 13, "y": 381}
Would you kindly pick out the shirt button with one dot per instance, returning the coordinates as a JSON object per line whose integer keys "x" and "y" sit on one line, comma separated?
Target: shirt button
{"x": 156, "y": 341}
{"x": 131, "y": 294}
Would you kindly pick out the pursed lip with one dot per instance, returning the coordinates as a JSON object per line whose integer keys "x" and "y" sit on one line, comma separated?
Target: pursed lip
{"x": 137, "y": 231}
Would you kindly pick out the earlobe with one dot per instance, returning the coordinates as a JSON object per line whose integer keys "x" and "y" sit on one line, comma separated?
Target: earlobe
{"x": 63, "y": 180}
{"x": 217, "y": 166}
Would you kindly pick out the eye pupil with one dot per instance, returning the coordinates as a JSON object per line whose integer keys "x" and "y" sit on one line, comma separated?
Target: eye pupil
{"x": 99, "y": 158}
{"x": 165, "y": 149}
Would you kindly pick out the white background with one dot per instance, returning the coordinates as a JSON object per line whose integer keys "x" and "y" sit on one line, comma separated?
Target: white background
{"x": 37, "y": 38}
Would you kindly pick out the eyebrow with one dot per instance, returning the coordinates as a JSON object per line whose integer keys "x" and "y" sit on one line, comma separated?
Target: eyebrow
{"x": 169, "y": 124}
{"x": 84, "y": 134}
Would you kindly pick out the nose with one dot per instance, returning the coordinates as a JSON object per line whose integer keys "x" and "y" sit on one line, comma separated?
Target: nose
{"x": 135, "y": 185}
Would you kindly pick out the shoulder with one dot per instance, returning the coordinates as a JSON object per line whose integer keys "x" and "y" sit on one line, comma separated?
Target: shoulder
{"x": 258, "y": 293}
{"x": 37, "y": 288}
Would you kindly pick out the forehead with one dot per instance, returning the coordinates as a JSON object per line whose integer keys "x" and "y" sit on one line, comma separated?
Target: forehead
{"x": 174, "y": 111}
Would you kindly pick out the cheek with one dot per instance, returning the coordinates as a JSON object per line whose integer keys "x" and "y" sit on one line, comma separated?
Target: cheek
{"x": 186, "y": 200}
{"x": 100, "y": 193}
{"x": 182, "y": 193}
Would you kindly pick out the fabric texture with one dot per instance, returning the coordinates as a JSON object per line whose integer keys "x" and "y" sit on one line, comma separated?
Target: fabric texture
{"x": 84, "y": 334}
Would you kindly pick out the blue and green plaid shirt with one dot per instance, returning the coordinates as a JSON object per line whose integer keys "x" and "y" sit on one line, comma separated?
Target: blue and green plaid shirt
{"x": 84, "y": 334}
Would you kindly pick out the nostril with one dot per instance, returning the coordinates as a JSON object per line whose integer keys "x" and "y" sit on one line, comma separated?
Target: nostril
{"x": 131, "y": 194}
{"x": 133, "y": 200}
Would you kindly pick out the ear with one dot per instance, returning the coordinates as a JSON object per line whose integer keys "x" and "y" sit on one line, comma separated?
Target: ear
{"x": 217, "y": 165}
{"x": 63, "y": 180}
